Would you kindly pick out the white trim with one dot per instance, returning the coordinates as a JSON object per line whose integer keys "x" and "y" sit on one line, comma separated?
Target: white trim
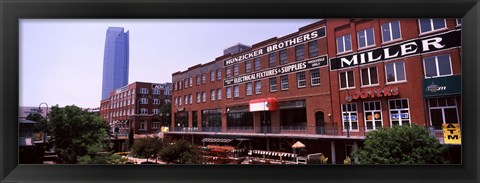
{"x": 311, "y": 78}
{"x": 431, "y": 26}
{"x": 346, "y": 80}
{"x": 391, "y": 32}
{"x": 343, "y": 41}
{"x": 437, "y": 66}
{"x": 395, "y": 72}
{"x": 400, "y": 121}
{"x": 369, "y": 77}
{"x": 366, "y": 39}
{"x": 372, "y": 111}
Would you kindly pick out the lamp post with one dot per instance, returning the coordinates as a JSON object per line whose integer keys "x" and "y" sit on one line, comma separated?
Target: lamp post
{"x": 46, "y": 120}
{"x": 431, "y": 88}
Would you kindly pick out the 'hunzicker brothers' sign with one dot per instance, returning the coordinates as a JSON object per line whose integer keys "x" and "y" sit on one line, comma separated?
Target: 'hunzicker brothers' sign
{"x": 310, "y": 36}
{"x": 424, "y": 45}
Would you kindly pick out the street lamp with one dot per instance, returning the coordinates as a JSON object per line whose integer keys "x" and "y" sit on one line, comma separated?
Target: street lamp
{"x": 46, "y": 120}
{"x": 431, "y": 88}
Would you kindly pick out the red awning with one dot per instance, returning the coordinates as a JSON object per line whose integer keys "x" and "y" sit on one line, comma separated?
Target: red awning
{"x": 263, "y": 104}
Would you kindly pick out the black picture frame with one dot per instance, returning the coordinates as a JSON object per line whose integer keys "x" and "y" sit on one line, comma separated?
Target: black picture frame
{"x": 11, "y": 11}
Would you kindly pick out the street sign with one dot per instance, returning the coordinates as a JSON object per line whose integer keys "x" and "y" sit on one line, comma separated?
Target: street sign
{"x": 451, "y": 133}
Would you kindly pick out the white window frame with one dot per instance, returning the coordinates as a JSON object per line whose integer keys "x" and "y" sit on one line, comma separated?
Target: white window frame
{"x": 235, "y": 70}
{"x": 219, "y": 74}
{"x": 458, "y": 23}
{"x": 186, "y": 99}
{"x": 299, "y": 80}
{"x": 372, "y": 112}
{"x": 180, "y": 100}
{"x": 282, "y": 83}
{"x": 212, "y": 76}
{"x": 369, "y": 76}
{"x": 349, "y": 114}
{"x": 431, "y": 26}
{"x": 156, "y": 91}
{"x": 312, "y": 78}
{"x": 258, "y": 87}
{"x": 143, "y": 90}
{"x": 255, "y": 64}
{"x": 346, "y": 79}
{"x": 143, "y": 101}
{"x": 143, "y": 111}
{"x": 364, "y": 33}
{"x": 248, "y": 89}
{"x": 312, "y": 52}
{"x": 272, "y": 59}
{"x": 198, "y": 97}
{"x": 430, "y": 108}
{"x": 204, "y": 78}
{"x": 198, "y": 79}
{"x": 155, "y": 125}
{"x": 400, "y": 121}
{"x": 391, "y": 32}
{"x": 204, "y": 96}
{"x": 191, "y": 82}
{"x": 219, "y": 94}
{"x": 273, "y": 88}
{"x": 236, "y": 91}
{"x": 297, "y": 55}
{"x": 155, "y": 111}
{"x": 142, "y": 126}
{"x": 228, "y": 71}
{"x": 156, "y": 101}
{"x": 212, "y": 95}
{"x": 395, "y": 72}
{"x": 283, "y": 57}
{"x": 343, "y": 41}
{"x": 229, "y": 92}
{"x": 190, "y": 99}
{"x": 437, "y": 66}
{"x": 248, "y": 66}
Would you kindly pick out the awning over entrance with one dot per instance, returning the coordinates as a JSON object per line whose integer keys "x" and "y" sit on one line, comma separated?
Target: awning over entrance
{"x": 217, "y": 140}
{"x": 271, "y": 153}
{"x": 263, "y": 104}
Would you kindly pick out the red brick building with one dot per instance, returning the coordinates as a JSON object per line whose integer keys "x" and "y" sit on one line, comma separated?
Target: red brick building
{"x": 137, "y": 105}
{"x": 325, "y": 85}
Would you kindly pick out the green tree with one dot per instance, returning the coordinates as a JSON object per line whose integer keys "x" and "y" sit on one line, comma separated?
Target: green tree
{"x": 147, "y": 147}
{"x": 400, "y": 145}
{"x": 78, "y": 135}
{"x": 165, "y": 110}
{"x": 181, "y": 152}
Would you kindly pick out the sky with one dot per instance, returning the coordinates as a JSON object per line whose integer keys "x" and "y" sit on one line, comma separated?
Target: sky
{"x": 61, "y": 60}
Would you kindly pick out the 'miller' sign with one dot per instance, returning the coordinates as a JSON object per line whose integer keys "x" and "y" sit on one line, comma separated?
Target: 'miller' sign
{"x": 423, "y": 45}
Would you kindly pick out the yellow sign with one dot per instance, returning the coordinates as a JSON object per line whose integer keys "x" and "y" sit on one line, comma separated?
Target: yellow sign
{"x": 164, "y": 129}
{"x": 451, "y": 133}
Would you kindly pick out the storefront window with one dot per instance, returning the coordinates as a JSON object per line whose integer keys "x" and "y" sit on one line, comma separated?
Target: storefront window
{"x": 399, "y": 112}
{"x": 240, "y": 120}
{"x": 293, "y": 115}
{"x": 181, "y": 120}
{"x": 372, "y": 115}
{"x": 442, "y": 111}
{"x": 349, "y": 116}
{"x": 211, "y": 120}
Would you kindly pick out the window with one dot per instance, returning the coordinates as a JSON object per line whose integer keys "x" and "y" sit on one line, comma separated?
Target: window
{"x": 236, "y": 91}
{"x": 372, "y": 115}
{"x": 185, "y": 81}
{"x": 442, "y": 111}
{"x": 349, "y": 116}
{"x": 248, "y": 91}
{"x": 212, "y": 95}
{"x": 346, "y": 80}
{"x": 458, "y": 21}
{"x": 180, "y": 84}
{"x": 186, "y": 99}
{"x": 284, "y": 82}
{"x": 258, "y": 87}
{"x": 365, "y": 38}
{"x": 301, "y": 80}
{"x": 190, "y": 98}
{"x": 198, "y": 97}
{"x": 155, "y": 125}
{"x": 219, "y": 94}
{"x": 219, "y": 74}
{"x": 156, "y": 91}
{"x": 156, "y": 101}
{"x": 344, "y": 43}
{"x": 229, "y": 92}
{"x": 133, "y": 91}
{"x": 143, "y": 111}
{"x": 283, "y": 57}
{"x": 204, "y": 96}
{"x": 315, "y": 77}
{"x": 272, "y": 60}
{"x": 437, "y": 66}
{"x": 391, "y": 31}
{"x": 143, "y": 90}
{"x": 143, "y": 101}
{"x": 431, "y": 24}
{"x": 198, "y": 79}
{"x": 155, "y": 111}
{"x": 204, "y": 78}
{"x": 273, "y": 84}
{"x": 257, "y": 64}
{"x": 312, "y": 49}
{"x": 399, "y": 112}
{"x": 235, "y": 70}
{"x": 180, "y": 100}
{"x": 191, "y": 82}
{"x": 228, "y": 71}
{"x": 299, "y": 52}
{"x": 142, "y": 126}
{"x": 248, "y": 66}
{"x": 212, "y": 76}
{"x": 369, "y": 76}
{"x": 395, "y": 72}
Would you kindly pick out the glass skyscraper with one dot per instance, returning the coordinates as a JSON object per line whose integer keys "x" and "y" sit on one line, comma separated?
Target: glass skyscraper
{"x": 115, "y": 60}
